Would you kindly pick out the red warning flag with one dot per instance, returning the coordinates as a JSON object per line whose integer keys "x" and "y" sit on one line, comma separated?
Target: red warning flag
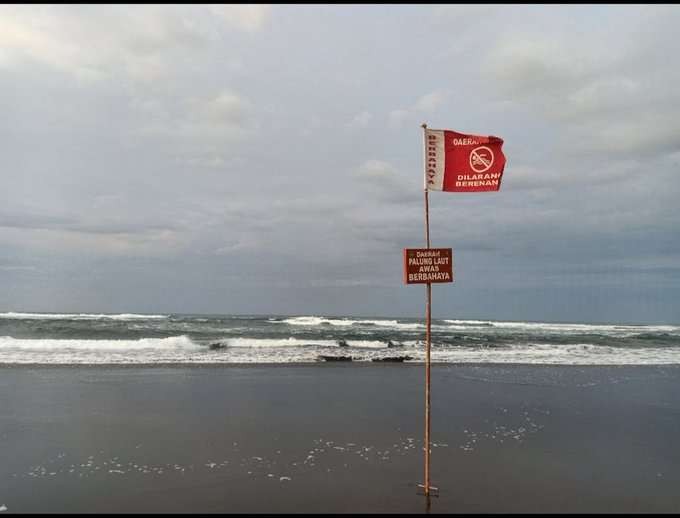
{"x": 456, "y": 162}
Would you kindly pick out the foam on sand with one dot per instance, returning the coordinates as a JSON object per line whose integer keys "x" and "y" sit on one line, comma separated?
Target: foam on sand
{"x": 553, "y": 354}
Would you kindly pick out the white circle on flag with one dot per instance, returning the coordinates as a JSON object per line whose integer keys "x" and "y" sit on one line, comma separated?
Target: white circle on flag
{"x": 481, "y": 159}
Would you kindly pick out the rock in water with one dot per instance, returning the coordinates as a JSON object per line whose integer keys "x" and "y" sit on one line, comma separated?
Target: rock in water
{"x": 335, "y": 358}
{"x": 395, "y": 359}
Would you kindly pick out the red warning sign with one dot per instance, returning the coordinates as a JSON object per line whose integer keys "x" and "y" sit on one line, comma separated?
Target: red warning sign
{"x": 425, "y": 265}
{"x": 457, "y": 162}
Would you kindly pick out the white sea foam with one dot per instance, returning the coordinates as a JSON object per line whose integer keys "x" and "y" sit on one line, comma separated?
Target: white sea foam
{"x": 311, "y": 321}
{"x": 553, "y": 354}
{"x": 394, "y": 324}
{"x": 471, "y": 322}
{"x": 573, "y": 354}
{"x": 317, "y": 321}
{"x": 618, "y": 329}
{"x": 277, "y": 342}
{"x": 367, "y": 344}
{"x": 56, "y": 345}
{"x": 245, "y": 344}
{"x": 301, "y": 321}
{"x": 299, "y": 342}
{"x": 78, "y": 316}
{"x": 174, "y": 349}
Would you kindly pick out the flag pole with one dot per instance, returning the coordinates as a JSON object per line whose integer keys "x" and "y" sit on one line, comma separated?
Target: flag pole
{"x": 428, "y": 313}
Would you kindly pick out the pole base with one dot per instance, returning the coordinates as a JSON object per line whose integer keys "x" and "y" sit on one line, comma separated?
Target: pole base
{"x": 434, "y": 491}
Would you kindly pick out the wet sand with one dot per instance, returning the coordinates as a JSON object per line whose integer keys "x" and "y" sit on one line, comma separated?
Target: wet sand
{"x": 338, "y": 438}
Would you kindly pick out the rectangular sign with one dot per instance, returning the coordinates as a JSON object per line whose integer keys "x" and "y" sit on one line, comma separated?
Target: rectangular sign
{"x": 424, "y": 265}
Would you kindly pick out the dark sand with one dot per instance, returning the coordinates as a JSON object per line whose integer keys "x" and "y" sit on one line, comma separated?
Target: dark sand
{"x": 338, "y": 438}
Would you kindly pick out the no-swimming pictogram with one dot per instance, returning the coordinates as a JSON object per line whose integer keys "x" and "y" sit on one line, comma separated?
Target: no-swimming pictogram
{"x": 481, "y": 159}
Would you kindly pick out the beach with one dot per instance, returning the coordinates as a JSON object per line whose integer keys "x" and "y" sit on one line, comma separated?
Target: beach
{"x": 338, "y": 438}
{"x": 236, "y": 240}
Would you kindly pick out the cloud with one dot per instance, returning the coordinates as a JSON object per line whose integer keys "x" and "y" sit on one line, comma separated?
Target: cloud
{"x": 424, "y": 105}
{"x": 96, "y": 226}
{"x": 348, "y": 283}
{"x": 241, "y": 244}
{"x": 30, "y": 219}
{"x": 95, "y": 242}
{"x": 360, "y": 120}
{"x": 18, "y": 268}
{"x": 619, "y": 97}
{"x": 132, "y": 47}
{"x": 140, "y": 44}
{"x": 204, "y": 123}
{"x": 381, "y": 181}
{"x": 428, "y": 103}
{"x": 247, "y": 17}
{"x": 397, "y": 118}
{"x": 375, "y": 170}
{"x": 226, "y": 108}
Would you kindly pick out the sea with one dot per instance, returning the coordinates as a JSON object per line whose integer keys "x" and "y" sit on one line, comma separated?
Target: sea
{"x": 143, "y": 339}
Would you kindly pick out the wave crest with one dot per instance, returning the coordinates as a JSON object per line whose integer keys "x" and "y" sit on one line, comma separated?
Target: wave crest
{"x": 78, "y": 316}
{"x": 312, "y": 321}
{"x": 299, "y": 342}
{"x": 171, "y": 343}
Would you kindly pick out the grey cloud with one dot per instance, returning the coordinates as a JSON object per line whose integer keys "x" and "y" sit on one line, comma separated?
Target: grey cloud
{"x": 614, "y": 98}
{"x": 135, "y": 43}
{"x": 38, "y": 221}
{"x": 18, "y": 268}
{"x": 423, "y": 106}
{"x": 251, "y": 17}
{"x": 210, "y": 122}
{"x": 28, "y": 220}
{"x": 360, "y": 120}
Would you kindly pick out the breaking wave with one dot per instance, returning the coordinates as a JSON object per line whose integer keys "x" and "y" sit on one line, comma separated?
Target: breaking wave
{"x": 564, "y": 328}
{"x": 78, "y": 316}
{"x": 130, "y": 338}
{"x": 57, "y": 345}
{"x": 300, "y": 342}
{"x": 311, "y": 321}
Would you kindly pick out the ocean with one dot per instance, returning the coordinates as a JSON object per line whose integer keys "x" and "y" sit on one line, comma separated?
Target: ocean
{"x": 72, "y": 339}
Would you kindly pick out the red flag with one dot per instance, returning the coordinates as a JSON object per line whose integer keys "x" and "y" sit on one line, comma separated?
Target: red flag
{"x": 456, "y": 162}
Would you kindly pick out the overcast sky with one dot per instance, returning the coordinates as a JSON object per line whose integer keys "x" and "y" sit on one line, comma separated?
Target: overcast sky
{"x": 252, "y": 159}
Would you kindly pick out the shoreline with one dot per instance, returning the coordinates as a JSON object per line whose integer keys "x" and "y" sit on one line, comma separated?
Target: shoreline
{"x": 324, "y": 364}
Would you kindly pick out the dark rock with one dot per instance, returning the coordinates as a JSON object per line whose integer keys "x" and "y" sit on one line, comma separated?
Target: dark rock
{"x": 335, "y": 358}
{"x": 396, "y": 359}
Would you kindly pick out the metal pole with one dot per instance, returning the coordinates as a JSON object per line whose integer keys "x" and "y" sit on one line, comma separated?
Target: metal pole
{"x": 428, "y": 314}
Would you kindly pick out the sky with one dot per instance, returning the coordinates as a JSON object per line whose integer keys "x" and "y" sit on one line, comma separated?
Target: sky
{"x": 252, "y": 159}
